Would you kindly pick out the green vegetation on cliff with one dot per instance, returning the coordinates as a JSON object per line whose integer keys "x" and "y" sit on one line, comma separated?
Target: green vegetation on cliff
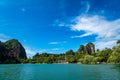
{"x": 11, "y": 51}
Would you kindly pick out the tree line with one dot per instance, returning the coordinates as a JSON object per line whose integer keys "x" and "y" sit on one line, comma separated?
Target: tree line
{"x": 86, "y": 54}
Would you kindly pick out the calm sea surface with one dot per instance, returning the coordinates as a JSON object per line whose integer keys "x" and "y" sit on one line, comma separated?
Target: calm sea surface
{"x": 59, "y": 72}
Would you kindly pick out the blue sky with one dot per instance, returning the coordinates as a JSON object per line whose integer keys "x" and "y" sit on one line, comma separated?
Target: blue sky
{"x": 56, "y": 26}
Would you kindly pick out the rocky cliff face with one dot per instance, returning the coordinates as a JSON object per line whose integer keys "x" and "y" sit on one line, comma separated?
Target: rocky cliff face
{"x": 88, "y": 49}
{"x": 11, "y": 51}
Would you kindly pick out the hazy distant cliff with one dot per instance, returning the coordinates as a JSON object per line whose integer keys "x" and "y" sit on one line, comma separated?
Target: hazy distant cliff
{"x": 11, "y": 51}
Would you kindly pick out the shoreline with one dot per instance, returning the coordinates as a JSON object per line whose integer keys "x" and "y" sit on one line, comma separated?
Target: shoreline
{"x": 70, "y": 63}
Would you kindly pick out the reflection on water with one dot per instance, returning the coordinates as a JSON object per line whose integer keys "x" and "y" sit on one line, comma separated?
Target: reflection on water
{"x": 59, "y": 72}
{"x": 116, "y": 68}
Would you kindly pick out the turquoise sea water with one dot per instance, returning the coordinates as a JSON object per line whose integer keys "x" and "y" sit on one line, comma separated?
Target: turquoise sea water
{"x": 59, "y": 72}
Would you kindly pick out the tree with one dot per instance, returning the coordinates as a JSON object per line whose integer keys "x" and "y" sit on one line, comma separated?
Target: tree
{"x": 81, "y": 49}
{"x": 115, "y": 56}
{"x": 88, "y": 59}
{"x": 70, "y": 52}
{"x": 68, "y": 55}
{"x": 104, "y": 54}
{"x": 36, "y": 55}
{"x": 118, "y": 42}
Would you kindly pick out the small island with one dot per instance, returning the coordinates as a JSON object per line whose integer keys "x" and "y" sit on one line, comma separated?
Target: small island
{"x": 12, "y": 51}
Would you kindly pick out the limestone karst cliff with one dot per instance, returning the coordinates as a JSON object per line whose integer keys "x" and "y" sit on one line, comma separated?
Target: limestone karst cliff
{"x": 11, "y": 51}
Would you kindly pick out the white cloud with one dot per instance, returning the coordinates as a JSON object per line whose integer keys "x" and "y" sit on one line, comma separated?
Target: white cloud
{"x": 107, "y": 32}
{"x": 62, "y": 42}
{"x": 97, "y": 25}
{"x": 103, "y": 44}
{"x": 53, "y": 43}
{"x": 87, "y": 7}
{"x": 30, "y": 52}
{"x": 80, "y": 36}
{"x": 42, "y": 50}
{"x": 59, "y": 22}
